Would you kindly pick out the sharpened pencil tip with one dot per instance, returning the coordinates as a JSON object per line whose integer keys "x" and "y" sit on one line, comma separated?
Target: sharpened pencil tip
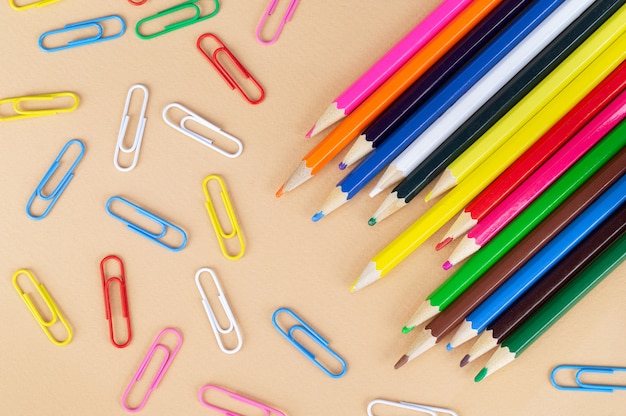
{"x": 447, "y": 265}
{"x": 279, "y": 193}
{"x": 310, "y": 132}
{"x": 407, "y": 329}
{"x": 318, "y": 216}
{"x": 372, "y": 221}
{"x": 342, "y": 166}
{"x": 449, "y": 347}
{"x": 443, "y": 243}
{"x": 481, "y": 375}
{"x": 430, "y": 195}
{"x": 403, "y": 360}
{"x": 465, "y": 360}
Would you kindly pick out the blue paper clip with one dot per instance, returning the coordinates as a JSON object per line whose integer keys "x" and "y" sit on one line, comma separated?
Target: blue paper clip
{"x": 94, "y": 23}
{"x": 156, "y": 237}
{"x": 58, "y": 190}
{"x": 189, "y": 4}
{"x": 307, "y": 330}
{"x": 582, "y": 386}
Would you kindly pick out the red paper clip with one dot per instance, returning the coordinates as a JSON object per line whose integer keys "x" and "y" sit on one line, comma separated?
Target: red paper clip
{"x": 121, "y": 280}
{"x": 137, "y": 3}
{"x": 212, "y": 58}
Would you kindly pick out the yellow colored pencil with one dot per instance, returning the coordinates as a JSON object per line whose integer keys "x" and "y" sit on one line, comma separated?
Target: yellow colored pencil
{"x": 469, "y": 160}
{"x": 611, "y": 55}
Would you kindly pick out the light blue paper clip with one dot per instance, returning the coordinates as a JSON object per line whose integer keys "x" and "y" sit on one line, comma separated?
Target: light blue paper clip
{"x": 307, "y": 330}
{"x": 189, "y": 4}
{"x": 94, "y": 23}
{"x": 58, "y": 190}
{"x": 156, "y": 237}
{"x": 582, "y": 386}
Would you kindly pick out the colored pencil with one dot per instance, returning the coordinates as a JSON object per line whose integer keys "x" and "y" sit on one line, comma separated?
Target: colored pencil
{"x": 482, "y": 91}
{"x": 444, "y": 323}
{"x": 518, "y": 242}
{"x": 390, "y": 119}
{"x": 454, "y": 89}
{"x": 536, "y": 183}
{"x": 385, "y": 67}
{"x": 380, "y": 99}
{"x": 601, "y": 43}
{"x": 471, "y": 158}
{"x": 538, "y": 153}
{"x": 524, "y": 336}
{"x": 585, "y": 253}
{"x": 552, "y": 56}
{"x": 541, "y": 263}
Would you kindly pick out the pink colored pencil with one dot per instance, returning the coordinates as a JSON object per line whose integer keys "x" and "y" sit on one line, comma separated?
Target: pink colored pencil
{"x": 541, "y": 179}
{"x": 389, "y": 63}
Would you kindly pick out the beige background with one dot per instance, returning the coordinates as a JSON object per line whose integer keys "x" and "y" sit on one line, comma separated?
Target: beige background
{"x": 290, "y": 261}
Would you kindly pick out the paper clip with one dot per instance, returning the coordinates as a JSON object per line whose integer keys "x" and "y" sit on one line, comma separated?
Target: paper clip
{"x": 189, "y": 4}
{"x": 53, "y": 197}
{"x": 222, "y": 235}
{"x": 181, "y": 127}
{"x": 121, "y": 281}
{"x": 54, "y": 310}
{"x": 169, "y": 357}
{"x": 582, "y": 386}
{"x": 215, "y": 325}
{"x": 431, "y": 410}
{"x": 137, "y": 3}
{"x": 307, "y": 330}
{"x": 138, "y": 134}
{"x": 268, "y": 411}
{"x": 230, "y": 80}
{"x": 24, "y": 113}
{"x": 39, "y": 3}
{"x": 152, "y": 236}
{"x": 268, "y": 12}
{"x": 87, "y": 24}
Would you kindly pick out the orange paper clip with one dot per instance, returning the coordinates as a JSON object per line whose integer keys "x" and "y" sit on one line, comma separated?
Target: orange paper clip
{"x": 213, "y": 56}
{"x": 121, "y": 281}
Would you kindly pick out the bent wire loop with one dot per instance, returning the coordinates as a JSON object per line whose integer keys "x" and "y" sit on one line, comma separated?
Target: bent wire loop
{"x": 191, "y": 116}
{"x": 219, "y": 330}
{"x": 268, "y": 411}
{"x": 307, "y": 330}
{"x": 87, "y": 24}
{"x": 287, "y": 17}
{"x": 189, "y": 4}
{"x": 213, "y": 58}
{"x": 581, "y": 385}
{"x": 221, "y": 234}
{"x": 431, "y": 410}
{"x": 39, "y": 3}
{"x": 121, "y": 280}
{"x": 53, "y": 196}
{"x": 136, "y": 146}
{"x": 21, "y": 112}
{"x": 56, "y": 315}
{"x": 137, "y": 3}
{"x": 170, "y": 354}
{"x": 152, "y": 236}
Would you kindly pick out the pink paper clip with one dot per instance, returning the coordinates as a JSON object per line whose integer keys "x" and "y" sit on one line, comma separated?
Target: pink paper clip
{"x": 212, "y": 57}
{"x": 269, "y": 11}
{"x": 169, "y": 357}
{"x": 266, "y": 409}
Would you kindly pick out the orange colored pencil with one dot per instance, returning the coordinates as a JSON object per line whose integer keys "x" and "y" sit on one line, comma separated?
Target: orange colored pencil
{"x": 378, "y": 101}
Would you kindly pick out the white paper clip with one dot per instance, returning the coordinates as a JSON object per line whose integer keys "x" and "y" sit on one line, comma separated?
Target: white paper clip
{"x": 138, "y": 134}
{"x": 218, "y": 330}
{"x": 181, "y": 127}
{"x": 431, "y": 410}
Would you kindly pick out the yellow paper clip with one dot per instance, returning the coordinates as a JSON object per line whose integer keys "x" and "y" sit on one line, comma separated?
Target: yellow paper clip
{"x": 217, "y": 226}
{"x": 21, "y": 112}
{"x": 39, "y": 3}
{"x": 54, "y": 310}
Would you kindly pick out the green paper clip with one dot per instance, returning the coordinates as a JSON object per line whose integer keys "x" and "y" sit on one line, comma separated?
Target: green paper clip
{"x": 189, "y": 4}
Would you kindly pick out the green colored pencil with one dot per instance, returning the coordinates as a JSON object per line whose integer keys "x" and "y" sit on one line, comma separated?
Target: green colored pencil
{"x": 517, "y": 229}
{"x": 555, "y": 308}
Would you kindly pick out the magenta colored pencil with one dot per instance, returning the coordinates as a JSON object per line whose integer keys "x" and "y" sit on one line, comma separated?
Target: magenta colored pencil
{"x": 541, "y": 179}
{"x": 389, "y": 63}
